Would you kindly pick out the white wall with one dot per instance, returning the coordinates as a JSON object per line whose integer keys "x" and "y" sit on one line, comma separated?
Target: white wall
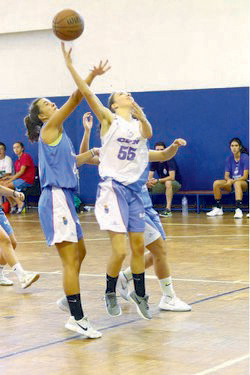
{"x": 151, "y": 45}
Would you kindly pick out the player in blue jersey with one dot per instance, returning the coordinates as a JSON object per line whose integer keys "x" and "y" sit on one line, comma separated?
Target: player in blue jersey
{"x": 59, "y": 180}
{"x": 7, "y": 246}
{"x": 123, "y": 170}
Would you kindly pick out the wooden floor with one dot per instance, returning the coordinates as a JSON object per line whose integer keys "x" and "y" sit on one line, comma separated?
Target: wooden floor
{"x": 209, "y": 263}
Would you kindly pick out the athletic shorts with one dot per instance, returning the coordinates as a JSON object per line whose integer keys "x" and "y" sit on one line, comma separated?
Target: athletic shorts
{"x": 153, "y": 227}
{"x": 4, "y": 223}
{"x": 20, "y": 184}
{"x": 118, "y": 208}
{"x": 58, "y": 217}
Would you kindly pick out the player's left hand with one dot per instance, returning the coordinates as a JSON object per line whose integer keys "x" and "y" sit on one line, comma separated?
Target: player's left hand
{"x": 101, "y": 68}
{"x": 179, "y": 142}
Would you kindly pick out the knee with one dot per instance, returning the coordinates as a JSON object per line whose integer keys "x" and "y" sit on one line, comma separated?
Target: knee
{"x": 237, "y": 185}
{"x": 216, "y": 183}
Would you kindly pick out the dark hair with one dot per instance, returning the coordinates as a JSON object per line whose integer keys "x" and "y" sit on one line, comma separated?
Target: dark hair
{"x": 243, "y": 150}
{"x": 32, "y": 122}
{"x": 20, "y": 143}
{"x": 159, "y": 144}
{"x": 2, "y": 144}
{"x": 111, "y": 101}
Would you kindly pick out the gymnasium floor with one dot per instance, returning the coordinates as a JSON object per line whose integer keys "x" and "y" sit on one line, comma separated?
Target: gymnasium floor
{"x": 209, "y": 263}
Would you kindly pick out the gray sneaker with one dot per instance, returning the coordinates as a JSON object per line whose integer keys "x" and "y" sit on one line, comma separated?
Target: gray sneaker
{"x": 141, "y": 305}
{"x": 112, "y": 306}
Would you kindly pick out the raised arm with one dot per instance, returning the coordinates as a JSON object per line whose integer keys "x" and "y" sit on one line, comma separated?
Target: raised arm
{"x": 168, "y": 152}
{"x": 87, "y": 121}
{"x": 51, "y": 131}
{"x": 102, "y": 113}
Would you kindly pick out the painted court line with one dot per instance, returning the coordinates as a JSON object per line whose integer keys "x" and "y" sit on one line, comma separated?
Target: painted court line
{"x": 223, "y": 365}
{"x": 55, "y": 342}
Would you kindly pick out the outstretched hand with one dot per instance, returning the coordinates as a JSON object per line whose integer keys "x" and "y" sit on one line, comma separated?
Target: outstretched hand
{"x": 87, "y": 120}
{"x": 179, "y": 142}
{"x": 101, "y": 68}
{"x": 66, "y": 54}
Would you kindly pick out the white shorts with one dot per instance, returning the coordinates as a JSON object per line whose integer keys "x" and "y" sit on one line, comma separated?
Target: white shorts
{"x": 58, "y": 217}
{"x": 118, "y": 208}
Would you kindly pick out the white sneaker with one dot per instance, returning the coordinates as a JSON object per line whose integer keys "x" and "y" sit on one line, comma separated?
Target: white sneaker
{"x": 122, "y": 286}
{"x": 83, "y": 327}
{"x": 29, "y": 278}
{"x": 238, "y": 213}
{"x": 4, "y": 281}
{"x": 173, "y": 304}
{"x": 248, "y": 215}
{"x": 63, "y": 305}
{"x": 215, "y": 212}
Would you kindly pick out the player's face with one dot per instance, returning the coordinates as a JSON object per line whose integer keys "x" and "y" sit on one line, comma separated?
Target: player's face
{"x": 235, "y": 147}
{"x": 17, "y": 148}
{"x": 46, "y": 108}
{"x": 123, "y": 99}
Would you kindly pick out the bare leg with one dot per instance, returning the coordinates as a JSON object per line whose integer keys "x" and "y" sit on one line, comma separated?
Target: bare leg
{"x": 169, "y": 194}
{"x": 218, "y": 186}
{"x": 119, "y": 252}
{"x": 240, "y": 187}
{"x": 158, "y": 257}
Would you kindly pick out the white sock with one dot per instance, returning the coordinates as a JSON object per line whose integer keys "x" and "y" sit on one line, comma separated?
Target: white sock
{"x": 128, "y": 274}
{"x": 19, "y": 271}
{"x": 167, "y": 286}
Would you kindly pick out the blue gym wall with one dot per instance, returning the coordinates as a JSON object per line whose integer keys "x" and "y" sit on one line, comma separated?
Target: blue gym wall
{"x": 206, "y": 118}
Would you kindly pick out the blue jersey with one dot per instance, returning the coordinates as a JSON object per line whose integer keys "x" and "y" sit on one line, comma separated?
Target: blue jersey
{"x": 57, "y": 164}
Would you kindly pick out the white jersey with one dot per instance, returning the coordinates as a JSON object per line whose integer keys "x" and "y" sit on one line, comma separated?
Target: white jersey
{"x": 124, "y": 154}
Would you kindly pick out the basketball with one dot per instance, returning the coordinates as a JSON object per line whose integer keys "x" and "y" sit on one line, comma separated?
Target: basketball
{"x": 68, "y": 24}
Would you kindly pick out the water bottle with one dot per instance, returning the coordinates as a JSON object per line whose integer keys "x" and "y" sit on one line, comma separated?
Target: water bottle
{"x": 184, "y": 206}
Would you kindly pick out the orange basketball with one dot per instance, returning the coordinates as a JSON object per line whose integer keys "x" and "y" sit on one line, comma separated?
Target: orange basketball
{"x": 68, "y": 24}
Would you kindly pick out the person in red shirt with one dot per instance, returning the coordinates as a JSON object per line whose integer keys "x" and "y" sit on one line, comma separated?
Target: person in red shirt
{"x": 23, "y": 177}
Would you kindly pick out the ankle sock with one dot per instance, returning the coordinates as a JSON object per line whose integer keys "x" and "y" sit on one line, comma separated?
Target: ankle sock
{"x": 111, "y": 283}
{"x": 139, "y": 283}
{"x": 19, "y": 271}
{"x": 75, "y": 306}
{"x": 167, "y": 286}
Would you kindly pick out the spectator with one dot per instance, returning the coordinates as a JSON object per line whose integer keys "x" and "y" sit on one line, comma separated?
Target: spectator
{"x": 6, "y": 166}
{"x": 169, "y": 179}
{"x": 23, "y": 177}
{"x": 235, "y": 176}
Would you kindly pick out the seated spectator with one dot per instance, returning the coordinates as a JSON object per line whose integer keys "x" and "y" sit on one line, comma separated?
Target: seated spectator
{"x": 235, "y": 177}
{"x": 6, "y": 166}
{"x": 169, "y": 179}
{"x": 23, "y": 177}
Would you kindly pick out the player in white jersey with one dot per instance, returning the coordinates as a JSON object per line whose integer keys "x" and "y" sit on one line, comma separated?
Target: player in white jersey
{"x": 154, "y": 235}
{"x": 123, "y": 169}
{"x": 59, "y": 180}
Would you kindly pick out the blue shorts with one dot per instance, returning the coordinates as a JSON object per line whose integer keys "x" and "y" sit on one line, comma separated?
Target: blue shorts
{"x": 58, "y": 217}
{"x": 4, "y": 223}
{"x": 118, "y": 208}
{"x": 153, "y": 227}
{"x": 20, "y": 184}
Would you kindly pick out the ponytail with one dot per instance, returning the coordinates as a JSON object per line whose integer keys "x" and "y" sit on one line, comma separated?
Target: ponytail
{"x": 32, "y": 122}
